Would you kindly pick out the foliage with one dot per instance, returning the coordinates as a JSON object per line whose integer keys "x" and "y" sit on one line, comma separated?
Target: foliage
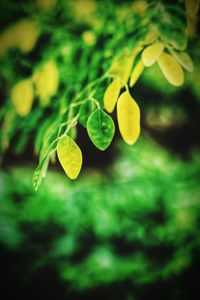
{"x": 107, "y": 229}
{"x": 62, "y": 64}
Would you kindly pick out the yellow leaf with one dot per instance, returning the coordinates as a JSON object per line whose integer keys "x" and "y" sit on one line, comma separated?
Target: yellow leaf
{"x": 23, "y": 35}
{"x": 27, "y": 33}
{"x": 46, "y": 80}
{"x": 171, "y": 69}
{"x": 137, "y": 71}
{"x": 70, "y": 156}
{"x": 111, "y": 95}
{"x": 151, "y": 53}
{"x": 22, "y": 97}
{"x": 121, "y": 66}
{"x": 128, "y": 116}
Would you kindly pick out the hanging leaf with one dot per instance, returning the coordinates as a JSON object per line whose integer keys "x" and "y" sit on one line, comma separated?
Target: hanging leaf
{"x": 22, "y": 97}
{"x": 171, "y": 69}
{"x": 151, "y": 36}
{"x": 121, "y": 66}
{"x": 22, "y": 34}
{"x": 137, "y": 71}
{"x": 111, "y": 95}
{"x": 70, "y": 156}
{"x": 39, "y": 139}
{"x": 46, "y": 80}
{"x": 184, "y": 59}
{"x": 100, "y": 128}
{"x": 40, "y": 172}
{"x": 84, "y": 112}
{"x": 49, "y": 138}
{"x": 128, "y": 116}
{"x": 151, "y": 53}
{"x": 26, "y": 34}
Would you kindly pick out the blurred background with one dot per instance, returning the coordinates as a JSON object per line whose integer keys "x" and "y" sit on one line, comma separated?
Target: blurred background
{"x": 128, "y": 227}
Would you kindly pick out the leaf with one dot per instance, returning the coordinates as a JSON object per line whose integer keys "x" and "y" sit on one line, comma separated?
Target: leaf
{"x": 128, "y": 116}
{"x": 100, "y": 128}
{"x": 184, "y": 59}
{"x": 46, "y": 80}
{"x": 49, "y": 137}
{"x": 85, "y": 111}
{"x": 40, "y": 135}
{"x": 40, "y": 172}
{"x": 23, "y": 34}
{"x": 176, "y": 37}
{"x": 46, "y": 153}
{"x": 27, "y": 33}
{"x": 150, "y": 37}
{"x": 111, "y": 95}
{"x": 137, "y": 71}
{"x": 22, "y": 97}
{"x": 70, "y": 156}
{"x": 151, "y": 53}
{"x": 121, "y": 66}
{"x": 171, "y": 69}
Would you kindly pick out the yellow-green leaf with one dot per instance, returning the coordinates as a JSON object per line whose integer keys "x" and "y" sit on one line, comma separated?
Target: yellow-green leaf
{"x": 137, "y": 71}
{"x": 111, "y": 95}
{"x": 70, "y": 156}
{"x": 121, "y": 66}
{"x": 151, "y": 53}
{"x": 171, "y": 69}
{"x": 151, "y": 36}
{"x": 128, "y": 116}
{"x": 40, "y": 172}
{"x": 22, "y": 97}
{"x": 184, "y": 59}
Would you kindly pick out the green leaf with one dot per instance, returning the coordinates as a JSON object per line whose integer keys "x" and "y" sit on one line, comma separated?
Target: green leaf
{"x": 174, "y": 36}
{"x": 40, "y": 135}
{"x": 85, "y": 111}
{"x": 49, "y": 137}
{"x": 101, "y": 129}
{"x": 40, "y": 172}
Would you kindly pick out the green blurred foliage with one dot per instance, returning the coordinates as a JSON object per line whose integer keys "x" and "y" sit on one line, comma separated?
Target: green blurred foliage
{"x": 139, "y": 221}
